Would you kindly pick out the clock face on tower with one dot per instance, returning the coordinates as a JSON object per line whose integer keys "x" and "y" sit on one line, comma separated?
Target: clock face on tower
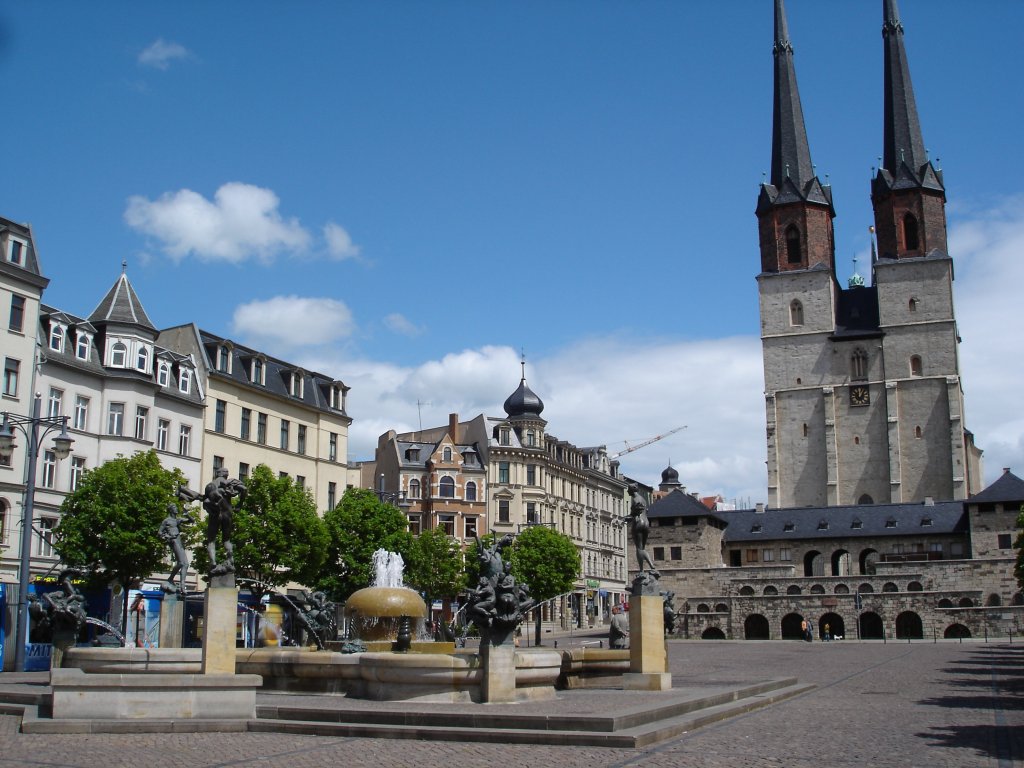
{"x": 860, "y": 395}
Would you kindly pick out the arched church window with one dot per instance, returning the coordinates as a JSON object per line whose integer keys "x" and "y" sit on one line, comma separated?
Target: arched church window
{"x": 910, "y": 236}
{"x": 859, "y": 364}
{"x": 796, "y": 312}
{"x": 912, "y": 304}
{"x": 916, "y": 367}
{"x": 793, "y": 255}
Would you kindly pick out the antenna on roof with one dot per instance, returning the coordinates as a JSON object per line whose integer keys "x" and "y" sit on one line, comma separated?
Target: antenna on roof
{"x": 124, "y": 266}
{"x": 419, "y": 411}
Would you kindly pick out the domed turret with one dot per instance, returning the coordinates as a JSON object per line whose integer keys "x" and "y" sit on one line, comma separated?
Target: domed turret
{"x": 669, "y": 476}
{"x": 523, "y": 402}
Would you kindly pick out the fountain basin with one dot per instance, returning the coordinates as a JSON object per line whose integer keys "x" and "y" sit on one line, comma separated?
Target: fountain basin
{"x": 375, "y": 611}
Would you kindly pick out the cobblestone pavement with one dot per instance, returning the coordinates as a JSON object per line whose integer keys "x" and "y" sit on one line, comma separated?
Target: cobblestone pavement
{"x": 878, "y": 705}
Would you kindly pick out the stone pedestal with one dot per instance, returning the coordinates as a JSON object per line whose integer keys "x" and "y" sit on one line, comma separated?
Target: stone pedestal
{"x": 499, "y": 681}
{"x": 648, "y": 660}
{"x": 172, "y": 619}
{"x": 220, "y": 611}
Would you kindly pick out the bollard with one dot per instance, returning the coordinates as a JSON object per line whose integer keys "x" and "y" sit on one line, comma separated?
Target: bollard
{"x": 556, "y": 643}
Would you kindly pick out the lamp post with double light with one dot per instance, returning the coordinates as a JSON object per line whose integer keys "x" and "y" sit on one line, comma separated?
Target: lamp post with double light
{"x": 35, "y": 428}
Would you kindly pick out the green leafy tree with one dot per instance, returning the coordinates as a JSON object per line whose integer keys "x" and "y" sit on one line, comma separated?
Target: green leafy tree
{"x": 547, "y": 561}
{"x": 109, "y": 523}
{"x": 278, "y": 535}
{"x": 359, "y": 526}
{"x": 435, "y": 565}
{"x": 1019, "y": 544}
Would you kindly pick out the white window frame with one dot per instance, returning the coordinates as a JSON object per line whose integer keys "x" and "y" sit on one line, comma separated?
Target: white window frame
{"x": 58, "y": 331}
{"x": 115, "y": 419}
{"x": 163, "y": 434}
{"x": 141, "y": 417}
{"x": 81, "y": 418}
{"x": 83, "y": 341}
{"x": 118, "y": 354}
{"x": 184, "y": 440}
{"x": 77, "y": 471}
{"x": 55, "y": 402}
{"x": 184, "y": 380}
{"x": 163, "y": 373}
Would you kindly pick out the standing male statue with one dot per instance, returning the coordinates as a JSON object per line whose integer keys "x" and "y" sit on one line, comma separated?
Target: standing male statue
{"x": 640, "y": 528}
{"x": 170, "y": 534}
{"x": 216, "y": 499}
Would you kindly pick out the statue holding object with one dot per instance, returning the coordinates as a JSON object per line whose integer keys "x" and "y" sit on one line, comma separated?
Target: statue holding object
{"x": 217, "y": 501}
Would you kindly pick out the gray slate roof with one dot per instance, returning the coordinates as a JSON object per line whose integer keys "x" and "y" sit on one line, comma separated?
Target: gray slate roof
{"x": 1008, "y": 488}
{"x": 121, "y": 305}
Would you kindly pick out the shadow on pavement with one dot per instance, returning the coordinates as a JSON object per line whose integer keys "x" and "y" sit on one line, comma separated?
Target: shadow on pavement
{"x": 1002, "y": 742}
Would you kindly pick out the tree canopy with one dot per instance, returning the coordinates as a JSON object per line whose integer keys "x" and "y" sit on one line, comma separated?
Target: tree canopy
{"x": 545, "y": 560}
{"x": 358, "y": 526}
{"x": 435, "y": 565}
{"x": 109, "y": 523}
{"x": 278, "y": 535}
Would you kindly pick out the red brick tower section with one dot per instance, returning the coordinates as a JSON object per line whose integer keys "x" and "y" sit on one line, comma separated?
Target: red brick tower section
{"x": 907, "y": 192}
{"x": 794, "y": 209}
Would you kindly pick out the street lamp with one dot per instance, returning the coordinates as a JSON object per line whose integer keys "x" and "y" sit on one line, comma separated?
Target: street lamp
{"x": 35, "y": 428}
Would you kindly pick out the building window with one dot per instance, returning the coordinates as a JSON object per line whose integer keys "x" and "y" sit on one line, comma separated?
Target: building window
{"x": 220, "y": 416}
{"x": 118, "y": 354}
{"x": 414, "y": 489}
{"x": 115, "y": 419}
{"x": 55, "y": 403}
{"x": 470, "y": 491}
{"x": 913, "y": 304}
{"x": 1005, "y": 541}
{"x": 184, "y": 438}
{"x": 504, "y": 436}
{"x": 163, "y": 430}
{"x": 246, "y": 423}
{"x": 49, "y": 469}
{"x": 44, "y": 542}
{"x": 446, "y": 488}
{"x": 447, "y": 524}
{"x": 56, "y": 337}
{"x": 218, "y": 463}
{"x": 223, "y": 359}
{"x": 659, "y": 553}
{"x": 446, "y": 454}
{"x": 332, "y": 447}
{"x": 257, "y": 371}
{"x": 767, "y": 555}
{"x": 142, "y": 360}
{"x": 785, "y": 554}
{"x": 859, "y": 365}
{"x": 141, "y": 414}
{"x": 163, "y": 373}
{"x": 916, "y": 367}
{"x": 332, "y": 496}
{"x": 17, "y": 317}
{"x": 796, "y": 312}
{"x": 82, "y": 343}
{"x": 300, "y": 481}
{"x": 261, "y": 428}
{"x": 911, "y": 241}
{"x": 503, "y": 472}
{"x": 918, "y": 433}
{"x": 15, "y": 251}
{"x": 676, "y": 553}
{"x": 532, "y": 518}
{"x": 243, "y": 470}
{"x": 503, "y": 514}
{"x": 531, "y": 474}
{"x": 531, "y": 439}
{"x": 77, "y": 471}
{"x": 890, "y": 523}
{"x": 414, "y": 525}
{"x": 285, "y": 428}
{"x": 752, "y": 555}
{"x": 11, "y": 369}
{"x": 793, "y": 255}
{"x": 184, "y": 380}
{"x": 81, "y": 412}
{"x": 471, "y": 527}
{"x": 301, "y": 438}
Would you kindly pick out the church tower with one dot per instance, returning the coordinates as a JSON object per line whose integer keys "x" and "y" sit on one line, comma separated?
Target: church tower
{"x": 862, "y": 387}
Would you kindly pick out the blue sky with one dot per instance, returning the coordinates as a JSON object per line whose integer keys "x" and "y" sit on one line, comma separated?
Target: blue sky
{"x": 407, "y": 194}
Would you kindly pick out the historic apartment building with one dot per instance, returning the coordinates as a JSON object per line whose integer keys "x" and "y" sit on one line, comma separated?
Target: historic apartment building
{"x": 263, "y": 410}
{"x": 863, "y": 395}
{"x": 503, "y": 474}
{"x": 875, "y": 524}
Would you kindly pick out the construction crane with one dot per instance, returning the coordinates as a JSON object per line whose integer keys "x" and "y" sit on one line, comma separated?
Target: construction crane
{"x": 638, "y": 446}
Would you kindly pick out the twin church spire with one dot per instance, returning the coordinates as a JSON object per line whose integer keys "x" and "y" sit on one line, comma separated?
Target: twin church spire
{"x": 795, "y": 209}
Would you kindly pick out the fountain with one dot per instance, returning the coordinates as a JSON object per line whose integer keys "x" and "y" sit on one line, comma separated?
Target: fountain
{"x": 375, "y": 613}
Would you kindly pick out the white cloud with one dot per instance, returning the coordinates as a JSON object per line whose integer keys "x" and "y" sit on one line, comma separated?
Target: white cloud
{"x": 400, "y": 324}
{"x": 241, "y": 222}
{"x": 291, "y": 322}
{"x": 161, "y": 53}
{"x": 339, "y": 242}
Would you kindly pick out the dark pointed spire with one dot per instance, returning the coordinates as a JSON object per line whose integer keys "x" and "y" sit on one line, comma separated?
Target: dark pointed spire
{"x": 791, "y": 155}
{"x": 903, "y": 140}
{"x": 121, "y": 305}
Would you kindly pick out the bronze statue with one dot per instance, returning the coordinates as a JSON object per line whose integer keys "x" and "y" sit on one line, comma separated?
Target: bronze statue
{"x": 170, "y": 534}
{"x": 640, "y": 527}
{"x": 497, "y": 604}
{"x": 216, "y": 499}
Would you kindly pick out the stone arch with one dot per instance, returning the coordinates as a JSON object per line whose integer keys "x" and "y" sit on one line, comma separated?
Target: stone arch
{"x": 865, "y": 589}
{"x": 790, "y": 625}
{"x": 908, "y": 626}
{"x": 994, "y": 600}
{"x": 890, "y": 587}
{"x": 814, "y": 563}
{"x": 794, "y": 589}
{"x": 966, "y": 602}
{"x": 770, "y": 590}
{"x": 841, "y": 589}
{"x": 817, "y": 589}
{"x": 1018, "y": 598}
{"x": 871, "y": 627}
{"x": 945, "y": 603}
{"x": 914, "y": 586}
{"x": 841, "y": 563}
{"x": 911, "y": 238}
{"x": 746, "y": 590}
{"x": 836, "y": 625}
{"x": 793, "y": 249}
{"x": 868, "y": 558}
{"x": 755, "y": 627}
{"x": 721, "y": 608}
{"x": 712, "y": 633}
{"x": 956, "y": 631}
{"x": 703, "y": 608}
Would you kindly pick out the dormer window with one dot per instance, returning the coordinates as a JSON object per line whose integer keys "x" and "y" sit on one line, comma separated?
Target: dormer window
{"x": 57, "y": 333}
{"x": 823, "y": 525}
{"x": 82, "y": 344}
{"x": 184, "y": 380}
{"x": 16, "y": 251}
{"x": 446, "y": 454}
{"x": 890, "y": 523}
{"x": 856, "y": 524}
{"x": 118, "y": 354}
{"x": 224, "y": 358}
{"x": 163, "y": 373}
{"x": 755, "y": 528}
{"x": 296, "y": 384}
{"x": 787, "y": 527}
{"x": 142, "y": 362}
{"x": 926, "y": 522}
{"x": 504, "y": 436}
{"x": 258, "y": 371}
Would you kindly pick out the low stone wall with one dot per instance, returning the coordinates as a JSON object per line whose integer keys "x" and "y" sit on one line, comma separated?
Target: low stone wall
{"x": 593, "y": 668}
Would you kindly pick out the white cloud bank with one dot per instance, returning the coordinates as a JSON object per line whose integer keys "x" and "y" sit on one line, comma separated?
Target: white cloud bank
{"x": 240, "y": 223}
{"x": 161, "y": 53}
{"x": 403, "y": 326}
{"x": 290, "y": 322}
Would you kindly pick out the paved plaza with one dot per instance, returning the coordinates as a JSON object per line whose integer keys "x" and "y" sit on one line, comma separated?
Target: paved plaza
{"x": 895, "y": 704}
